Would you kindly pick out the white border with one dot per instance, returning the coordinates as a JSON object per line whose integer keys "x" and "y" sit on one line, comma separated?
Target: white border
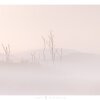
{"x": 49, "y": 2}
{"x": 50, "y": 97}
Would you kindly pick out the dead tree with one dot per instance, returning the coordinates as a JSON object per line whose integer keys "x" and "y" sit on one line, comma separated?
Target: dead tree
{"x": 7, "y": 52}
{"x": 33, "y": 57}
{"x": 44, "y": 48}
{"x": 51, "y": 46}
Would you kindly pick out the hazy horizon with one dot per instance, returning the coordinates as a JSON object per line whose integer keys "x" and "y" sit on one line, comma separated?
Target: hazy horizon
{"x": 74, "y": 27}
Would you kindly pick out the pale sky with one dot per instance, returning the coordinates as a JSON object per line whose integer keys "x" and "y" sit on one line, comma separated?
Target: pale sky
{"x": 74, "y": 27}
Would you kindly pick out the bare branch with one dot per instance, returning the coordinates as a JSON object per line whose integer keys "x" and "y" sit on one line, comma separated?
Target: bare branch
{"x": 6, "y": 51}
{"x": 44, "y": 42}
{"x": 51, "y": 45}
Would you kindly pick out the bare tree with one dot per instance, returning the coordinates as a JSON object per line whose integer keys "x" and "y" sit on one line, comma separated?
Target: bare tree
{"x": 33, "y": 57}
{"x": 51, "y": 46}
{"x": 44, "y": 48}
{"x": 7, "y": 52}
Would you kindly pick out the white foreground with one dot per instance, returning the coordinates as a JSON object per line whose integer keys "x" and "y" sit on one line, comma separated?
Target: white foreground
{"x": 76, "y": 74}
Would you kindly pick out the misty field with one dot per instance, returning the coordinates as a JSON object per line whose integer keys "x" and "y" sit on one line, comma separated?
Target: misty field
{"x": 49, "y": 70}
{"x": 78, "y": 73}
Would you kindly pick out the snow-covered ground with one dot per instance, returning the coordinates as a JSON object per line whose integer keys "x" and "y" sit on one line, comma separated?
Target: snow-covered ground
{"x": 77, "y": 73}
